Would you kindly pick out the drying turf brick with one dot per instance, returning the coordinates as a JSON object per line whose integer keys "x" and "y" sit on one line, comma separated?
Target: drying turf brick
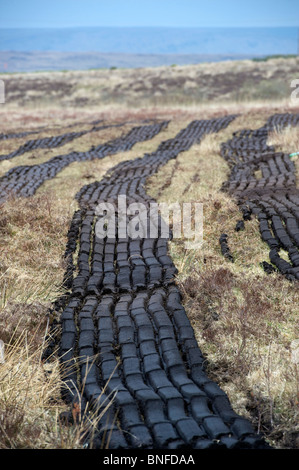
{"x": 240, "y": 226}
{"x": 189, "y": 430}
{"x": 132, "y": 328}
{"x": 140, "y": 437}
{"x": 200, "y": 407}
{"x": 164, "y": 433}
{"x": 215, "y": 427}
{"x": 242, "y": 427}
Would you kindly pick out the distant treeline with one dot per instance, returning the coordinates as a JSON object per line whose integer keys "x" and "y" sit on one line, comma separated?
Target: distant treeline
{"x": 275, "y": 56}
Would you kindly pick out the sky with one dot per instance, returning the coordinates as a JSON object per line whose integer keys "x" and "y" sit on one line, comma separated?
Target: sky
{"x": 148, "y": 13}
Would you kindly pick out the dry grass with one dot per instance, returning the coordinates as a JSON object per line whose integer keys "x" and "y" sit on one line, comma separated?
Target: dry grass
{"x": 32, "y": 411}
{"x": 285, "y": 141}
{"x": 221, "y": 82}
{"x": 32, "y": 242}
{"x": 28, "y": 410}
{"x": 246, "y": 332}
{"x": 33, "y": 237}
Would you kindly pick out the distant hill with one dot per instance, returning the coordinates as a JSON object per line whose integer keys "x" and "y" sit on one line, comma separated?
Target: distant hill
{"x": 224, "y": 41}
{"x": 26, "y": 50}
{"x": 56, "y": 61}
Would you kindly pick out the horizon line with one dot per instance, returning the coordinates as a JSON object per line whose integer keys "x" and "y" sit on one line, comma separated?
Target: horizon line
{"x": 144, "y": 27}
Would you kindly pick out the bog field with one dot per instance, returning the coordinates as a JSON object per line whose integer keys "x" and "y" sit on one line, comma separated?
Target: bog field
{"x": 125, "y": 341}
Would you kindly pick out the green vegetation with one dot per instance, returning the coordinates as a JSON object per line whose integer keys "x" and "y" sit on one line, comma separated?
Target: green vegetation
{"x": 275, "y": 56}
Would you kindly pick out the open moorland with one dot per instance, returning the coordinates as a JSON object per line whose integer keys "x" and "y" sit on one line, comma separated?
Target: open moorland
{"x": 219, "y": 82}
{"x": 148, "y": 343}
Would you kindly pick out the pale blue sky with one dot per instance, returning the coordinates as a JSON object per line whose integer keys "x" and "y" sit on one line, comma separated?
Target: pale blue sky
{"x": 142, "y": 13}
